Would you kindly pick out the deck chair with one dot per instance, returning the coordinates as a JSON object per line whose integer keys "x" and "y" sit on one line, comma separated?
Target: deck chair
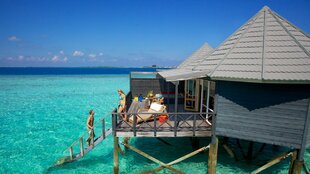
{"x": 146, "y": 115}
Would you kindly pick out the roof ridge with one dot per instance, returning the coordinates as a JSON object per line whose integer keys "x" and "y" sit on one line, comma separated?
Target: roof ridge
{"x": 252, "y": 20}
{"x": 264, "y": 45}
{"x": 289, "y": 33}
{"x": 297, "y": 28}
{"x": 205, "y": 46}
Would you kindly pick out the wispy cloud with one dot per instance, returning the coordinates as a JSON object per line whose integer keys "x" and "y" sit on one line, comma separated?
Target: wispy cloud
{"x": 65, "y": 59}
{"x": 20, "y": 57}
{"x": 78, "y": 53}
{"x": 55, "y": 58}
{"x": 62, "y": 52}
{"x": 100, "y": 54}
{"x": 13, "y": 39}
{"x": 92, "y": 55}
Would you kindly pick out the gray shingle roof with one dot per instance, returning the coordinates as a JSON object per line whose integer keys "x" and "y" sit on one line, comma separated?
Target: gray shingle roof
{"x": 196, "y": 57}
{"x": 267, "y": 48}
{"x": 184, "y": 70}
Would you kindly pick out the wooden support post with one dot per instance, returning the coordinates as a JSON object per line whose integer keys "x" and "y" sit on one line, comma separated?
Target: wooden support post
{"x": 115, "y": 154}
{"x": 306, "y": 168}
{"x": 81, "y": 146}
{"x": 179, "y": 159}
{"x": 297, "y": 166}
{"x": 230, "y": 152}
{"x": 194, "y": 125}
{"x": 103, "y": 128}
{"x": 155, "y": 120}
{"x": 71, "y": 153}
{"x": 272, "y": 162}
{"x": 114, "y": 120}
{"x": 176, "y": 96}
{"x": 153, "y": 159}
{"x": 212, "y": 157}
{"x": 294, "y": 156}
{"x": 135, "y": 125}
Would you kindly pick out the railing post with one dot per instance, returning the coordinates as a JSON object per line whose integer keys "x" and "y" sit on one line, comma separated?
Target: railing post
{"x": 155, "y": 115}
{"x": 103, "y": 129}
{"x": 194, "y": 125}
{"x": 134, "y": 125}
{"x": 114, "y": 122}
{"x": 175, "y": 125}
{"x": 71, "y": 153}
{"x": 81, "y": 146}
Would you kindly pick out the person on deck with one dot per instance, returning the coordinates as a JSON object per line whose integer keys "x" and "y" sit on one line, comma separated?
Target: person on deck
{"x": 90, "y": 126}
{"x": 122, "y": 104}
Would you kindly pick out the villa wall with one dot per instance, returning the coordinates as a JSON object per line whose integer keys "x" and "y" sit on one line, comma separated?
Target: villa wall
{"x": 266, "y": 113}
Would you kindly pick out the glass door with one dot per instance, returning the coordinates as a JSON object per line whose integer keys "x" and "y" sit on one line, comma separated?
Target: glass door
{"x": 191, "y": 99}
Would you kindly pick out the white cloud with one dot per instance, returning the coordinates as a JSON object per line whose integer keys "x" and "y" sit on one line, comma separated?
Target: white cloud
{"x": 100, "y": 54}
{"x": 13, "y": 38}
{"x": 20, "y": 57}
{"x": 55, "y": 58}
{"x": 10, "y": 58}
{"x": 65, "y": 59}
{"x": 92, "y": 55}
{"x": 78, "y": 53}
{"x": 61, "y": 52}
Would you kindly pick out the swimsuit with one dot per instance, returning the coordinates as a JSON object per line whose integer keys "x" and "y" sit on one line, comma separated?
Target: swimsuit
{"x": 120, "y": 99}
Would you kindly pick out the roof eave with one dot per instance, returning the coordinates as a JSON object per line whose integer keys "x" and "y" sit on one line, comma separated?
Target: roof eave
{"x": 260, "y": 80}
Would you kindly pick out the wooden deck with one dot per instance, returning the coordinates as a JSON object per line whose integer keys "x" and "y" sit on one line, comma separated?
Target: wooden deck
{"x": 178, "y": 125}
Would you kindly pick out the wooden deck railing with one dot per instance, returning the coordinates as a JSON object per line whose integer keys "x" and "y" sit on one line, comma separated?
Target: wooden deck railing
{"x": 178, "y": 124}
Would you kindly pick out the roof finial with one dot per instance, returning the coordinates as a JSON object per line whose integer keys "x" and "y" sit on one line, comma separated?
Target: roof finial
{"x": 265, "y": 8}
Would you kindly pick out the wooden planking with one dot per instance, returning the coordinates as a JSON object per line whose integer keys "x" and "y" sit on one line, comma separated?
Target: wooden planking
{"x": 267, "y": 113}
{"x": 89, "y": 148}
{"x": 164, "y": 134}
{"x": 260, "y": 138}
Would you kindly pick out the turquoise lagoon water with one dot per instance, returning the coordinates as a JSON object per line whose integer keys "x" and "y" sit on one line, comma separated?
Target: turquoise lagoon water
{"x": 41, "y": 115}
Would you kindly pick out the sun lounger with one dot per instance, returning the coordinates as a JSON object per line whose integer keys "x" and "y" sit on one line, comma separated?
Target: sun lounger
{"x": 146, "y": 115}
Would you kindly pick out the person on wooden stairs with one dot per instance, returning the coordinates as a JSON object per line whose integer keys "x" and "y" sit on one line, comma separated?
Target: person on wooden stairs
{"x": 90, "y": 127}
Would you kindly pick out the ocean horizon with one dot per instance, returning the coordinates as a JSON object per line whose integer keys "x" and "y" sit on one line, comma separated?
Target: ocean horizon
{"x": 71, "y": 70}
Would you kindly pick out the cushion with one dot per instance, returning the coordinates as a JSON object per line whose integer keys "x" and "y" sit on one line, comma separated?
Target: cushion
{"x": 157, "y": 107}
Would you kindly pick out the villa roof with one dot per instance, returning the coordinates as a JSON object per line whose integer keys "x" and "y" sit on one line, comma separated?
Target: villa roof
{"x": 185, "y": 70}
{"x": 267, "y": 48}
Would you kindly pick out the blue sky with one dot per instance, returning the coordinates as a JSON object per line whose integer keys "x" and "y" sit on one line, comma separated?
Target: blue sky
{"x": 130, "y": 33}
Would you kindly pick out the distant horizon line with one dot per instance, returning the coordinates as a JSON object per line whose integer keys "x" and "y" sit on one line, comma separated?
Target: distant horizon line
{"x": 79, "y": 67}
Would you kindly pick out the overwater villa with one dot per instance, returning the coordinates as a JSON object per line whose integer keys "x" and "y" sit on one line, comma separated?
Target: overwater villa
{"x": 254, "y": 86}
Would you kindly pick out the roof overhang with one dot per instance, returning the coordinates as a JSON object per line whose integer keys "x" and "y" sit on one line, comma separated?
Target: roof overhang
{"x": 181, "y": 74}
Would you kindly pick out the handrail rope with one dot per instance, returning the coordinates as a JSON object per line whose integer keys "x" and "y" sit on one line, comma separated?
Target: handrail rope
{"x": 86, "y": 132}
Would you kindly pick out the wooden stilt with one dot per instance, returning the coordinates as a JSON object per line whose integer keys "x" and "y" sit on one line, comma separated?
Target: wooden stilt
{"x": 294, "y": 156}
{"x": 306, "y": 168}
{"x": 297, "y": 166}
{"x": 153, "y": 159}
{"x": 212, "y": 157}
{"x": 272, "y": 162}
{"x": 230, "y": 152}
{"x": 120, "y": 150}
{"x": 126, "y": 141}
{"x": 115, "y": 154}
{"x": 179, "y": 159}
{"x": 71, "y": 152}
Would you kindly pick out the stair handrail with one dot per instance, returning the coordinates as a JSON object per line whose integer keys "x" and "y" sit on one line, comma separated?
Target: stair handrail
{"x": 86, "y": 132}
